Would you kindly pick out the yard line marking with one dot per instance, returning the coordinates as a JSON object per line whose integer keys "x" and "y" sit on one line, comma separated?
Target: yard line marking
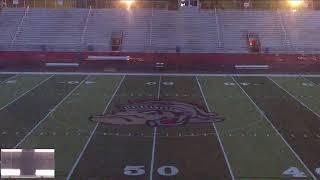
{"x": 82, "y": 151}
{"x": 8, "y": 79}
{"x": 153, "y": 152}
{"x": 216, "y": 131}
{"x": 51, "y": 111}
{"x": 17, "y": 98}
{"x": 154, "y": 136}
{"x": 93, "y": 131}
{"x": 167, "y": 74}
{"x": 159, "y": 87}
{"x": 268, "y": 120}
{"x": 294, "y": 97}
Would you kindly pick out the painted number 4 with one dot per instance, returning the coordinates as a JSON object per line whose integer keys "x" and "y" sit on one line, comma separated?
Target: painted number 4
{"x": 294, "y": 172}
{"x": 134, "y": 170}
{"x": 139, "y": 170}
{"x": 234, "y": 84}
{"x": 306, "y": 84}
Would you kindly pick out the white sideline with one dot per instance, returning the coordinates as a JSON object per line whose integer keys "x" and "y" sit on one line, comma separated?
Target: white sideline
{"x": 154, "y": 136}
{"x": 275, "y": 129}
{"x": 165, "y": 74}
{"x": 294, "y": 97}
{"x": 17, "y": 98}
{"x": 93, "y": 131}
{"x": 8, "y": 79}
{"x": 51, "y": 111}
{"x": 216, "y": 131}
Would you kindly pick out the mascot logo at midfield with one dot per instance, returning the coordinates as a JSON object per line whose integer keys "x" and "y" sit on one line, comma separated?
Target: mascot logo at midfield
{"x": 157, "y": 113}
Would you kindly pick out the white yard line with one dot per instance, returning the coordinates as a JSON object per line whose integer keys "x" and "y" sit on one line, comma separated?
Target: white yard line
{"x": 82, "y": 151}
{"x": 51, "y": 111}
{"x": 93, "y": 131}
{"x": 275, "y": 129}
{"x": 153, "y": 152}
{"x": 8, "y": 79}
{"x": 166, "y": 74}
{"x": 17, "y": 98}
{"x": 294, "y": 97}
{"x": 159, "y": 87}
{"x": 216, "y": 131}
{"x": 154, "y": 136}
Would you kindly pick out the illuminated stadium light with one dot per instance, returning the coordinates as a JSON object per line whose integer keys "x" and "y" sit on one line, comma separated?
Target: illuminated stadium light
{"x": 44, "y": 150}
{"x": 11, "y": 150}
{"x": 10, "y": 172}
{"x": 45, "y": 172}
{"x": 128, "y": 3}
{"x": 295, "y": 3}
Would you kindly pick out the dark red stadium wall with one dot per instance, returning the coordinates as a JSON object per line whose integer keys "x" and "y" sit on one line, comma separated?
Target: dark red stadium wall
{"x": 195, "y": 59}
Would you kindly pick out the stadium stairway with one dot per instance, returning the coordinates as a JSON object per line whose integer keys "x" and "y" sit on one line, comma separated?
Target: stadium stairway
{"x": 100, "y": 26}
{"x": 58, "y": 29}
{"x": 163, "y": 31}
{"x": 9, "y": 21}
{"x": 197, "y": 30}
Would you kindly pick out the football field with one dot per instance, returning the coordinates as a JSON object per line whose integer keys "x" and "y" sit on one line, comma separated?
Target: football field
{"x": 166, "y": 126}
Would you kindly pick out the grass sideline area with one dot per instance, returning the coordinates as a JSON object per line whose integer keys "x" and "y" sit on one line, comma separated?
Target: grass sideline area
{"x": 271, "y": 127}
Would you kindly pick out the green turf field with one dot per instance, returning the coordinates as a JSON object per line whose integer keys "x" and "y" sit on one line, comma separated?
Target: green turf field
{"x": 270, "y": 127}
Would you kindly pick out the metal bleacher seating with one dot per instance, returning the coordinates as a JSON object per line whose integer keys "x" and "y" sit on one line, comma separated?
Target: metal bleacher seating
{"x": 101, "y": 23}
{"x": 158, "y": 30}
{"x": 134, "y": 24}
{"x": 9, "y": 21}
{"x": 163, "y": 31}
{"x": 236, "y": 24}
{"x": 197, "y": 30}
{"x": 303, "y": 29}
{"x": 58, "y": 29}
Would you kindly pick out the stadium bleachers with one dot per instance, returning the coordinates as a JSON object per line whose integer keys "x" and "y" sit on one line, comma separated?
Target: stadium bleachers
{"x": 51, "y": 27}
{"x": 197, "y": 30}
{"x": 163, "y": 31}
{"x": 236, "y": 24}
{"x": 100, "y": 26}
{"x": 9, "y": 22}
{"x": 303, "y": 29}
{"x": 158, "y": 30}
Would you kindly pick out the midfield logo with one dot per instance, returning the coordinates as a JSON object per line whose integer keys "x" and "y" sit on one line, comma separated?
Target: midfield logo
{"x": 158, "y": 114}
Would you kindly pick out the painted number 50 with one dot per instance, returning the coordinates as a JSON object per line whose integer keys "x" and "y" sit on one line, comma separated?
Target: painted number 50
{"x": 139, "y": 170}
